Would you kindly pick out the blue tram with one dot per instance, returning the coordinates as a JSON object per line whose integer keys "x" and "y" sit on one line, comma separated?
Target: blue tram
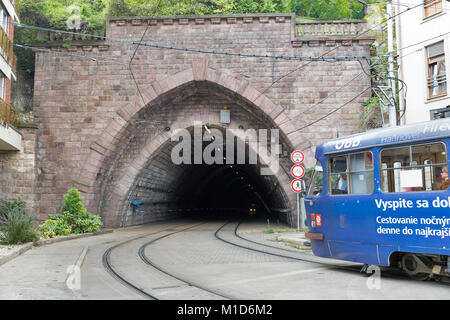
{"x": 382, "y": 197}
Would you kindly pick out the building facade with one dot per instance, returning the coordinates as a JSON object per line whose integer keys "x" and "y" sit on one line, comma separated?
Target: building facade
{"x": 10, "y": 139}
{"x": 423, "y": 46}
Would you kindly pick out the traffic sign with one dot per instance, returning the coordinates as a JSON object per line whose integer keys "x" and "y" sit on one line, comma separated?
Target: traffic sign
{"x": 296, "y": 185}
{"x": 298, "y": 171}
{"x": 297, "y": 157}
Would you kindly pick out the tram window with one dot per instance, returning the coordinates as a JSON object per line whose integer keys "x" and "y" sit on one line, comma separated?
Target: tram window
{"x": 413, "y": 168}
{"x": 384, "y": 176}
{"x": 338, "y": 175}
{"x": 315, "y": 188}
{"x": 361, "y": 176}
{"x": 428, "y": 174}
{"x": 352, "y": 174}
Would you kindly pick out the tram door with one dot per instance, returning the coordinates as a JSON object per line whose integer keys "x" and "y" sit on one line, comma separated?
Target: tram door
{"x": 348, "y": 185}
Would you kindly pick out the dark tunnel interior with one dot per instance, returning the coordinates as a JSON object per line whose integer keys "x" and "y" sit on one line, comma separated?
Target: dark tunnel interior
{"x": 230, "y": 187}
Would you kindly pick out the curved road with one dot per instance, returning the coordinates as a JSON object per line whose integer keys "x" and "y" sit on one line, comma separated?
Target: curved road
{"x": 185, "y": 260}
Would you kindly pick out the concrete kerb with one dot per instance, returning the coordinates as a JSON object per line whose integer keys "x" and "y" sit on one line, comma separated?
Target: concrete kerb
{"x": 294, "y": 238}
{"x": 44, "y": 242}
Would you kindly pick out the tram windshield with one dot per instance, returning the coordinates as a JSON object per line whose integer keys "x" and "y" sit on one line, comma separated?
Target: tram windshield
{"x": 315, "y": 187}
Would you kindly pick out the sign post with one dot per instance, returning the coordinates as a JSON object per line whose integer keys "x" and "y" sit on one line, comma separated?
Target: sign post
{"x": 296, "y": 185}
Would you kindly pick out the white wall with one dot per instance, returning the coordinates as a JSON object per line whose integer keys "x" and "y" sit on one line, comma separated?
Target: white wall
{"x": 415, "y": 30}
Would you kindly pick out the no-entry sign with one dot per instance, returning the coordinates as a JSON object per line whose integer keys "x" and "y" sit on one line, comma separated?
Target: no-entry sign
{"x": 298, "y": 171}
{"x": 296, "y": 185}
{"x": 297, "y": 157}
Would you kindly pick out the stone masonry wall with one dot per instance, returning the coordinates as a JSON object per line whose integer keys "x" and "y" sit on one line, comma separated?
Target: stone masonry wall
{"x": 18, "y": 171}
{"x": 76, "y": 97}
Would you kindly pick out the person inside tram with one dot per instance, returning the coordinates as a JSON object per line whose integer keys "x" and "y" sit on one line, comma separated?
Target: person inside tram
{"x": 437, "y": 180}
{"x": 343, "y": 184}
{"x": 445, "y": 181}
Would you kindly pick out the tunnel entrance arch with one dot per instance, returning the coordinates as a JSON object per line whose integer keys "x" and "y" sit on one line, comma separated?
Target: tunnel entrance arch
{"x": 167, "y": 189}
{"x": 139, "y": 132}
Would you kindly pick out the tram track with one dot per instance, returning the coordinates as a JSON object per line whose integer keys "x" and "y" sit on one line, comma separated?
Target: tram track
{"x": 106, "y": 260}
{"x": 264, "y": 248}
{"x": 149, "y": 262}
{"x": 315, "y": 261}
{"x": 354, "y": 269}
{"x": 392, "y": 273}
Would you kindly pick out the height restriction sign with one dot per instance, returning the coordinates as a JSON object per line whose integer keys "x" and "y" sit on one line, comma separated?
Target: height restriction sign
{"x": 297, "y": 157}
{"x": 296, "y": 185}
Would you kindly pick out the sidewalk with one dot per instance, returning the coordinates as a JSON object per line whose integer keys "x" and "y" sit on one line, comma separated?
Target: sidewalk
{"x": 295, "y": 238}
{"x": 9, "y": 252}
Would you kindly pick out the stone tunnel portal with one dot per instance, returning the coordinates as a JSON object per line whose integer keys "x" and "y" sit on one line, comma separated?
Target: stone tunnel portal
{"x": 221, "y": 183}
{"x": 178, "y": 155}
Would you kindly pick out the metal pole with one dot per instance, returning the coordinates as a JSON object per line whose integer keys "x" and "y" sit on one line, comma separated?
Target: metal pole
{"x": 298, "y": 212}
{"x": 390, "y": 30}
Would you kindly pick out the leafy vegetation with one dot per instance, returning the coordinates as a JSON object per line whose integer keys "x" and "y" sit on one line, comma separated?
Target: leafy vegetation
{"x": 371, "y": 117}
{"x": 375, "y": 110}
{"x": 74, "y": 218}
{"x": 89, "y": 16}
{"x": 328, "y": 10}
{"x": 7, "y": 206}
{"x": 16, "y": 223}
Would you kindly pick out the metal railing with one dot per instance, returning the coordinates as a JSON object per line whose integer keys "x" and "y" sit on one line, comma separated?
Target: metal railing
{"x": 437, "y": 85}
{"x": 7, "y": 115}
{"x": 330, "y": 28}
{"x": 6, "y": 47}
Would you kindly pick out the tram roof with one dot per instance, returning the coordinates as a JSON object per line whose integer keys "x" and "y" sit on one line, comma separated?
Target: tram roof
{"x": 387, "y": 136}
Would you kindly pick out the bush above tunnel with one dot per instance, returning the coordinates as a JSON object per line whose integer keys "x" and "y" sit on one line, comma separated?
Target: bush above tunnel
{"x": 74, "y": 218}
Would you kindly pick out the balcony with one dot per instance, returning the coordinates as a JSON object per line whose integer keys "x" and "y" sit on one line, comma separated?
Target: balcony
{"x": 10, "y": 138}
{"x": 6, "y": 48}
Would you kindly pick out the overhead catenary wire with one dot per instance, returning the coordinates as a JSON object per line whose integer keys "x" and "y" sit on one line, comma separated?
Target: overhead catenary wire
{"x": 335, "y": 48}
{"x": 309, "y": 59}
{"x": 406, "y": 4}
{"x": 157, "y": 45}
{"x": 323, "y": 99}
{"x": 415, "y": 44}
{"x": 331, "y": 112}
{"x": 333, "y": 92}
{"x": 136, "y": 49}
{"x": 335, "y": 110}
{"x": 215, "y": 52}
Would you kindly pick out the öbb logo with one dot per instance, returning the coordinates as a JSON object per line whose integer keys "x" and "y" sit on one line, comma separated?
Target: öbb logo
{"x": 347, "y": 143}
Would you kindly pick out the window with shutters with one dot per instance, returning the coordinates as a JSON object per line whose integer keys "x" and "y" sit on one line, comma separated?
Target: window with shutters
{"x": 432, "y": 7}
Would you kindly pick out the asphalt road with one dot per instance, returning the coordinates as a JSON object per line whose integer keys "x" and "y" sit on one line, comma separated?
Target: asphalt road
{"x": 185, "y": 260}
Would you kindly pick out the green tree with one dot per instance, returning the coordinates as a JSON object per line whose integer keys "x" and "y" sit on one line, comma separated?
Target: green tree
{"x": 328, "y": 9}
{"x": 74, "y": 218}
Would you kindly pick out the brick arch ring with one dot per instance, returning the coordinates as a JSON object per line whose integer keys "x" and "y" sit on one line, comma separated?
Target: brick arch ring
{"x": 85, "y": 179}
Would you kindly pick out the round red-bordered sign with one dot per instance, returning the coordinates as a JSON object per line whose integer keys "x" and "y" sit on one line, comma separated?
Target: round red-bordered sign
{"x": 296, "y": 185}
{"x": 297, "y": 157}
{"x": 298, "y": 171}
